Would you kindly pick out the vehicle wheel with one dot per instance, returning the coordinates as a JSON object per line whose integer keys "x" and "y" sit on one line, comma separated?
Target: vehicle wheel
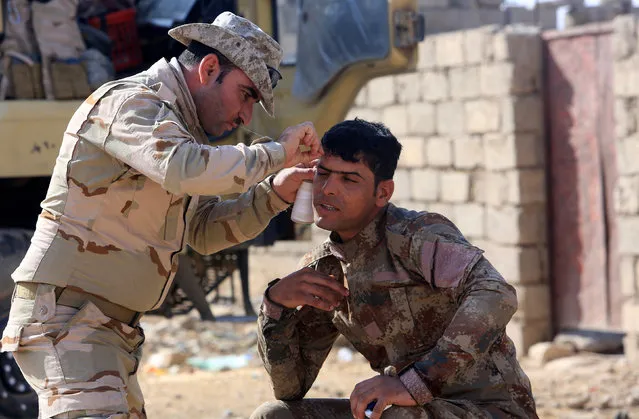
{"x": 17, "y": 399}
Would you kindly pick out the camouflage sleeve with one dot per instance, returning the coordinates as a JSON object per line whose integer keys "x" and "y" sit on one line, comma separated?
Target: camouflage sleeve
{"x": 218, "y": 224}
{"x": 293, "y": 345}
{"x": 486, "y": 303}
{"x": 146, "y": 134}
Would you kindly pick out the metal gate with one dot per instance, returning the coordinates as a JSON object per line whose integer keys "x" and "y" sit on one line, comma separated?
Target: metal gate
{"x": 580, "y": 133}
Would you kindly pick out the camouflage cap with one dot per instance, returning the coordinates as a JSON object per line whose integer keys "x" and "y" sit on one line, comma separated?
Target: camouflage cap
{"x": 244, "y": 44}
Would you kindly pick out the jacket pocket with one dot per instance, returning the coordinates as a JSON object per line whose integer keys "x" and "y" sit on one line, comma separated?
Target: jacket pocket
{"x": 388, "y": 307}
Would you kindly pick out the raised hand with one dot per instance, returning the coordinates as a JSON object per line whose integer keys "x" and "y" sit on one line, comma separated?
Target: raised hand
{"x": 308, "y": 287}
{"x": 304, "y": 135}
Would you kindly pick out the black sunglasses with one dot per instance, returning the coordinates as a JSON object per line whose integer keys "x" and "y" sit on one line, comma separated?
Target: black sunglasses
{"x": 275, "y": 76}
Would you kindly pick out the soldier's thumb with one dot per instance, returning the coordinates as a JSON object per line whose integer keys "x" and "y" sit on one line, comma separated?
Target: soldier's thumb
{"x": 305, "y": 173}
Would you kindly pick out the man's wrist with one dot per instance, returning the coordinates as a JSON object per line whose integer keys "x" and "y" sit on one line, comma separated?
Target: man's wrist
{"x": 268, "y": 294}
{"x": 270, "y": 181}
{"x": 269, "y": 307}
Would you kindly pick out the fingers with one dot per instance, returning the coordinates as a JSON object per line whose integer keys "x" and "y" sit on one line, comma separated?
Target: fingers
{"x": 313, "y": 163}
{"x": 354, "y": 399}
{"x": 328, "y": 282}
{"x": 317, "y": 302}
{"x": 308, "y": 287}
{"x": 306, "y": 157}
{"x": 320, "y": 290}
{"x": 307, "y": 174}
{"x": 309, "y": 156}
{"x": 321, "y": 297}
{"x": 379, "y": 408}
{"x": 302, "y": 173}
{"x": 311, "y": 139}
{"x": 295, "y": 138}
{"x": 360, "y": 398}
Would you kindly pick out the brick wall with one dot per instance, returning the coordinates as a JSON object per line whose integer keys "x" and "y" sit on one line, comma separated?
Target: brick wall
{"x": 470, "y": 121}
{"x": 626, "y": 85}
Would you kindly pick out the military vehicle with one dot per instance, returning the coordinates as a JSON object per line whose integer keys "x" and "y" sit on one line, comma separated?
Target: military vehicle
{"x": 332, "y": 48}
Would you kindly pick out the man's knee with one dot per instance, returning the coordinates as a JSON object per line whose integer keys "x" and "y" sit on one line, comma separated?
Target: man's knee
{"x": 272, "y": 410}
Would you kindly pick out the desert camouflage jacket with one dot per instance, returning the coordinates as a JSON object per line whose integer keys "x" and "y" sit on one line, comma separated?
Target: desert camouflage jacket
{"x": 135, "y": 180}
{"x": 423, "y": 302}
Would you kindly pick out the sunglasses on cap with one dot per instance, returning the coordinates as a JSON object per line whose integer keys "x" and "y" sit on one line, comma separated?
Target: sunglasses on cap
{"x": 275, "y": 76}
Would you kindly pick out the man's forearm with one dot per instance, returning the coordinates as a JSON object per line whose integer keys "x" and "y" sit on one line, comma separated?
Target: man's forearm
{"x": 487, "y": 305}
{"x": 221, "y": 224}
{"x": 225, "y": 169}
{"x": 293, "y": 347}
{"x": 150, "y": 138}
{"x": 279, "y": 350}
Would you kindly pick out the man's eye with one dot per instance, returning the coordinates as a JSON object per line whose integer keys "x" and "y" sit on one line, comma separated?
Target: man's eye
{"x": 246, "y": 95}
{"x": 351, "y": 180}
{"x": 322, "y": 174}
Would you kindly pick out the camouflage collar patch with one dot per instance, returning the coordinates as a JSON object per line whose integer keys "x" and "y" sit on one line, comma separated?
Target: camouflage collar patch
{"x": 316, "y": 254}
{"x": 367, "y": 239}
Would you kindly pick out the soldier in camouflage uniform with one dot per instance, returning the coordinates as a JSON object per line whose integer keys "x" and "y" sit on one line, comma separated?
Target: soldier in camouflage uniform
{"x": 125, "y": 198}
{"x": 413, "y": 296}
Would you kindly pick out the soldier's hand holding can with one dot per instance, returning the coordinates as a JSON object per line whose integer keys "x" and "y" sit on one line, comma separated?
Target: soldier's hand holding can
{"x": 288, "y": 181}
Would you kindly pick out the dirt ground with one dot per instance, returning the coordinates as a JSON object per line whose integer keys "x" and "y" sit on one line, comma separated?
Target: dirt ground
{"x": 177, "y": 384}
{"x": 234, "y": 394}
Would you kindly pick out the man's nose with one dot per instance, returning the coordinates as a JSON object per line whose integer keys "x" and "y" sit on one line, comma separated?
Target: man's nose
{"x": 246, "y": 113}
{"x": 330, "y": 187}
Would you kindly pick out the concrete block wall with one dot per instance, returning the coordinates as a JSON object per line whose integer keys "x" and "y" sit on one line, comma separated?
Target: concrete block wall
{"x": 581, "y": 13}
{"x": 626, "y": 197}
{"x": 470, "y": 121}
{"x": 453, "y": 15}
{"x": 445, "y": 16}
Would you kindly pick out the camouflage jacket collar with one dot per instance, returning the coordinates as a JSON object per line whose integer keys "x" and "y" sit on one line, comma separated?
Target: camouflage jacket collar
{"x": 360, "y": 245}
{"x": 390, "y": 223}
{"x": 168, "y": 80}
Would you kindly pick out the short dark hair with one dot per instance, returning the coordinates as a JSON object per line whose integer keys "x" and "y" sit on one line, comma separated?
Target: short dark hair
{"x": 196, "y": 51}
{"x": 370, "y": 142}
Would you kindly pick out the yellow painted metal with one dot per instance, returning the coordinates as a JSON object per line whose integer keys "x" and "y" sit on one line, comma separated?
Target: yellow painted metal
{"x": 30, "y": 135}
{"x": 246, "y": 8}
{"x": 264, "y": 18}
{"x": 259, "y": 12}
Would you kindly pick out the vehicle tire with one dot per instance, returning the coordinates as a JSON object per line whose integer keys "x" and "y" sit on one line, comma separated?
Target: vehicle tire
{"x": 17, "y": 399}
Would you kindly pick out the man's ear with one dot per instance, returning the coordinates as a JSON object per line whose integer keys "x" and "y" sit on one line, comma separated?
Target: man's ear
{"x": 384, "y": 192}
{"x": 209, "y": 69}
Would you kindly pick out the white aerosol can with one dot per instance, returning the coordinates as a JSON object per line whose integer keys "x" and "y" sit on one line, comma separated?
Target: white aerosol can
{"x": 303, "y": 207}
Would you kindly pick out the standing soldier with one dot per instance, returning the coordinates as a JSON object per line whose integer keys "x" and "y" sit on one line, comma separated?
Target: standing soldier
{"x": 124, "y": 200}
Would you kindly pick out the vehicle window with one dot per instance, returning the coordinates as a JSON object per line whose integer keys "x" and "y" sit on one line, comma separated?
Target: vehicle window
{"x": 334, "y": 34}
{"x": 287, "y": 25}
